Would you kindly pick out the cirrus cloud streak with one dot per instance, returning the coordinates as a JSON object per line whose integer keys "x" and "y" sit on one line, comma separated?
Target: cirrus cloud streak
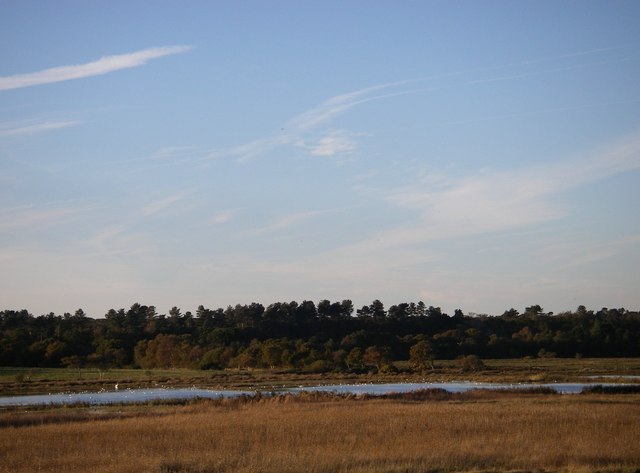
{"x": 101, "y": 66}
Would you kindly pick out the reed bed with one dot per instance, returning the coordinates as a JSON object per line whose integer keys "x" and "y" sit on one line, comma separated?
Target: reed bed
{"x": 530, "y": 432}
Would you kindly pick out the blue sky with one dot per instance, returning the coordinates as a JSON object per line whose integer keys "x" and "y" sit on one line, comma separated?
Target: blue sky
{"x": 473, "y": 155}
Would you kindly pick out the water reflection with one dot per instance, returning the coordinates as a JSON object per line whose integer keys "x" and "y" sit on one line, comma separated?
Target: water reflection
{"x": 162, "y": 394}
{"x": 120, "y": 396}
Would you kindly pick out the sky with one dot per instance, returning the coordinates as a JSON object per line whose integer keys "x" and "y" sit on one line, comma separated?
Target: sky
{"x": 473, "y": 155}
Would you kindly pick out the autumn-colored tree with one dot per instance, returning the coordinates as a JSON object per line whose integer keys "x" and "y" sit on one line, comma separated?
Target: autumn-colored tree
{"x": 421, "y": 355}
{"x": 376, "y": 356}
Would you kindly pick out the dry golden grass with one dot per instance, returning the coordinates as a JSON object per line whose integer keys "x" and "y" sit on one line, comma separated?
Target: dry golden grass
{"x": 497, "y": 433}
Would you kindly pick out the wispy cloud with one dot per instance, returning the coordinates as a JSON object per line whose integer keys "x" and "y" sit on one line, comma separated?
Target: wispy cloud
{"x": 101, "y": 66}
{"x": 159, "y": 205}
{"x": 574, "y": 252}
{"x": 12, "y": 130}
{"x": 249, "y": 150}
{"x": 448, "y": 207}
{"x": 334, "y": 142}
{"x": 496, "y": 201}
{"x": 520, "y": 75}
{"x": 222, "y": 217}
{"x": 331, "y": 108}
{"x": 172, "y": 153}
{"x": 337, "y": 105}
{"x": 99, "y": 240}
{"x": 289, "y": 220}
{"x": 478, "y": 203}
{"x": 28, "y": 216}
{"x": 301, "y": 130}
{"x": 117, "y": 240}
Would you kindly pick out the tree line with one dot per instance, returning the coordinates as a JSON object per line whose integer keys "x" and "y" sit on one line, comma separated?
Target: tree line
{"x": 328, "y": 336}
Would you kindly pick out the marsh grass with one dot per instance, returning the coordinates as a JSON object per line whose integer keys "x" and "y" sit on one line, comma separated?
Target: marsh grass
{"x": 321, "y": 433}
{"x": 51, "y": 380}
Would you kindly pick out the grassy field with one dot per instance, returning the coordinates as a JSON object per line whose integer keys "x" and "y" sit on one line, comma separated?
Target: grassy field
{"x": 479, "y": 432}
{"x": 50, "y": 380}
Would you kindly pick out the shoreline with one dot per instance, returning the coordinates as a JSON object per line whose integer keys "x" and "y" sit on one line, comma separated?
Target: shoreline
{"x": 24, "y": 381}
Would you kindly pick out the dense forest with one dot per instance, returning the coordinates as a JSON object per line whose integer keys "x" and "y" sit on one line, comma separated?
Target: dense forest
{"x": 309, "y": 337}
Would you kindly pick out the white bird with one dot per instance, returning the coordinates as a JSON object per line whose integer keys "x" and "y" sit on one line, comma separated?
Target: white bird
{"x": 116, "y": 386}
